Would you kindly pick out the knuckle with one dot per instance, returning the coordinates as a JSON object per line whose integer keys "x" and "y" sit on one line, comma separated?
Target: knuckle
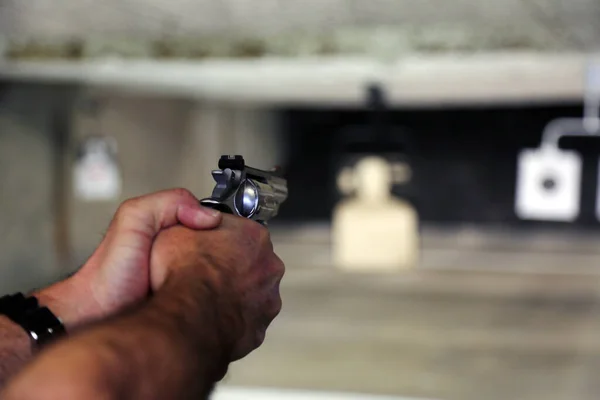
{"x": 126, "y": 207}
{"x": 276, "y": 307}
{"x": 278, "y": 304}
{"x": 276, "y": 272}
{"x": 181, "y": 192}
{"x": 279, "y": 266}
{"x": 263, "y": 235}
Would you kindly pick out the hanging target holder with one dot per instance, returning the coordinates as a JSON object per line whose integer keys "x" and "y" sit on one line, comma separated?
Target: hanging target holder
{"x": 589, "y": 125}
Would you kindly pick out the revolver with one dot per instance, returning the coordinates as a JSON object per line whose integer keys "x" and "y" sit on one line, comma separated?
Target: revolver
{"x": 247, "y": 192}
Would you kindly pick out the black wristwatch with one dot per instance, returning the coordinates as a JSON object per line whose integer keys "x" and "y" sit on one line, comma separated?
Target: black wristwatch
{"x": 40, "y": 323}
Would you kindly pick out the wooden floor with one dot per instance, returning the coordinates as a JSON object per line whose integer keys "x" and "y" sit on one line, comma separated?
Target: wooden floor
{"x": 445, "y": 333}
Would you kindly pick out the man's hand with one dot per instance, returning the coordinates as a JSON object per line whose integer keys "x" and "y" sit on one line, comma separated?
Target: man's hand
{"x": 232, "y": 270}
{"x": 117, "y": 274}
{"x": 214, "y": 295}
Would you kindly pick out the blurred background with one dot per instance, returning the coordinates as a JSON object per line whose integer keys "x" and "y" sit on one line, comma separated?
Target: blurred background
{"x": 461, "y": 263}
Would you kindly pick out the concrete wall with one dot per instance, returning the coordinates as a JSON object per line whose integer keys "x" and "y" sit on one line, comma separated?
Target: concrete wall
{"x": 556, "y": 24}
{"x": 27, "y": 248}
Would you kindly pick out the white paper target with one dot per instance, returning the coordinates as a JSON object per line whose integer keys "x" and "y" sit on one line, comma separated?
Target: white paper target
{"x": 96, "y": 176}
{"x": 548, "y": 185}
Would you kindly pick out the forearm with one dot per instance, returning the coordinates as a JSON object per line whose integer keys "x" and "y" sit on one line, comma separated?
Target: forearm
{"x": 162, "y": 350}
{"x": 15, "y": 349}
{"x": 167, "y": 348}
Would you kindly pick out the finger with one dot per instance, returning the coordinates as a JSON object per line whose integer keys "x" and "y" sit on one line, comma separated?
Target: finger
{"x": 164, "y": 209}
{"x": 198, "y": 217}
{"x": 180, "y": 205}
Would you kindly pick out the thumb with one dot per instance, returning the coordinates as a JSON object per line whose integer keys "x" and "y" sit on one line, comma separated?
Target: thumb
{"x": 154, "y": 212}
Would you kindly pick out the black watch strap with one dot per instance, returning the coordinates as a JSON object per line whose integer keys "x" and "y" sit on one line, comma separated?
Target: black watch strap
{"x": 42, "y": 326}
{"x": 40, "y": 323}
{"x": 16, "y": 305}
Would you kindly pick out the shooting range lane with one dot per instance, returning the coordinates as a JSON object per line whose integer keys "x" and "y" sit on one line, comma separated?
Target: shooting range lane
{"x": 430, "y": 333}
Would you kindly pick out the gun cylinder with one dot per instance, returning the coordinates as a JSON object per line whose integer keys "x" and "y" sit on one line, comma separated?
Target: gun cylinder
{"x": 260, "y": 201}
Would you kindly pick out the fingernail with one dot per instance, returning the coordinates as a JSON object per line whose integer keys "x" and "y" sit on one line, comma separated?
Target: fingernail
{"x": 210, "y": 211}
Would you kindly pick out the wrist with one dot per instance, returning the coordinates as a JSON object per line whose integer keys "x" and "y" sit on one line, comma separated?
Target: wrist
{"x": 14, "y": 334}
{"x": 69, "y": 301}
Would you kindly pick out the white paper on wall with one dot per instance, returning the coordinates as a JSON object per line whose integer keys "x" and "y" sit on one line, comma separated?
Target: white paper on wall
{"x": 548, "y": 185}
{"x": 96, "y": 176}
